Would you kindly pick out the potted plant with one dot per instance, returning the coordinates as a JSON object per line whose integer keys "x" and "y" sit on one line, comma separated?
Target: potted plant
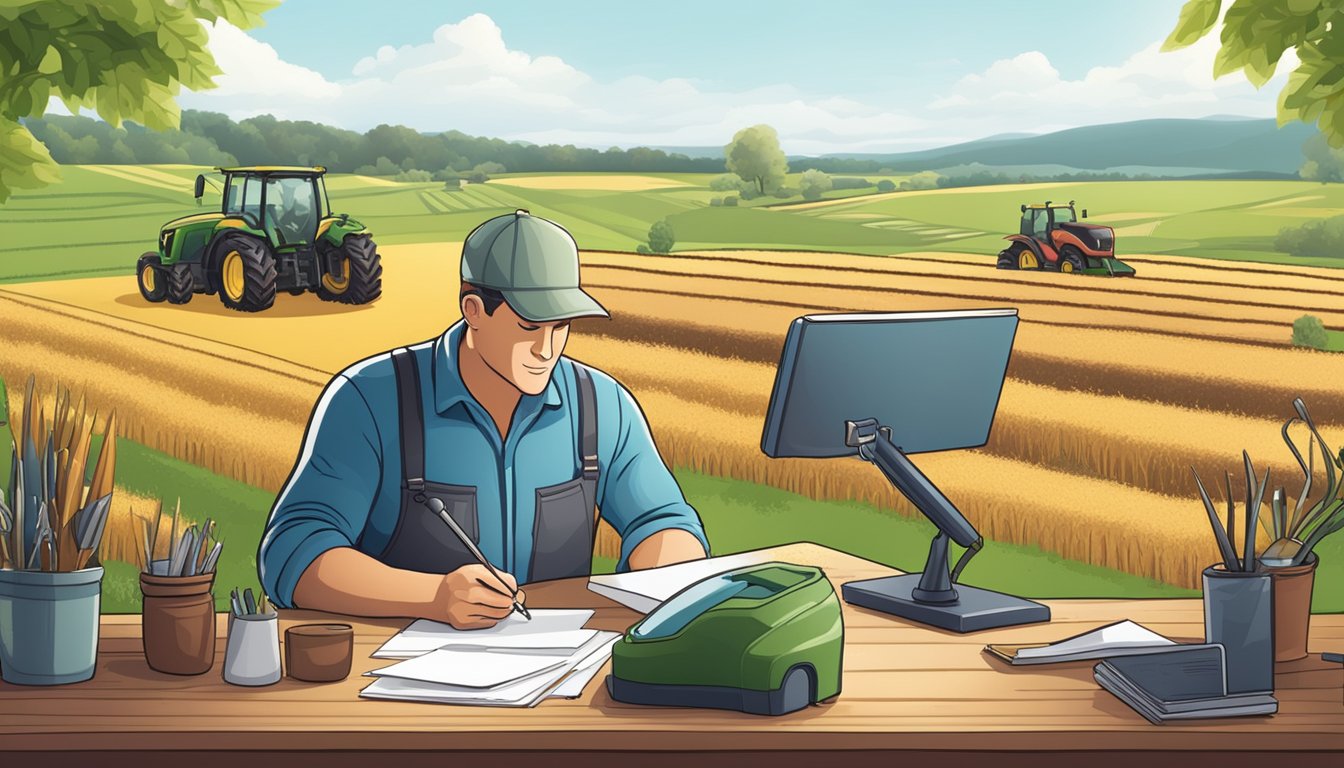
{"x": 1292, "y": 534}
{"x": 50, "y": 531}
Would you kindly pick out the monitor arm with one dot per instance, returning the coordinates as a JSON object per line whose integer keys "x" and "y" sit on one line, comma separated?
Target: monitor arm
{"x": 874, "y": 445}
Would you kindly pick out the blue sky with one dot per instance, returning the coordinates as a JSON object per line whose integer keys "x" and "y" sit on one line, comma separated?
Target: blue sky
{"x": 838, "y": 76}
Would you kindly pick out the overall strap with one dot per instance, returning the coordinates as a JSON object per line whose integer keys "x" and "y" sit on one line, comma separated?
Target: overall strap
{"x": 411, "y": 412}
{"x": 587, "y": 434}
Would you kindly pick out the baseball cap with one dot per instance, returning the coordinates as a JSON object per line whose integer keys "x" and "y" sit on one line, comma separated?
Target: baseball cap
{"x": 534, "y": 262}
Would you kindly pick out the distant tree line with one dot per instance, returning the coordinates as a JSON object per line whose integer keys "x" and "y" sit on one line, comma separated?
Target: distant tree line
{"x": 210, "y": 138}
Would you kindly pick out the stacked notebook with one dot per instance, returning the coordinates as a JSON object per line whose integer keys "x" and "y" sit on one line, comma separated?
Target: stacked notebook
{"x": 1180, "y": 682}
{"x": 516, "y": 663}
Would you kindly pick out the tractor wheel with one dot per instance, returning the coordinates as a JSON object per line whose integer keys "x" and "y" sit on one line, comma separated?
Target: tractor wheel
{"x": 1007, "y": 259}
{"x": 360, "y": 279}
{"x": 1071, "y": 261}
{"x": 1026, "y": 259}
{"x": 246, "y": 274}
{"x": 179, "y": 287}
{"x": 149, "y": 276}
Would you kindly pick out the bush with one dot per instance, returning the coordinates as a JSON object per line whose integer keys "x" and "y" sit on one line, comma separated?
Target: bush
{"x": 730, "y": 201}
{"x": 849, "y": 182}
{"x": 447, "y": 174}
{"x": 1315, "y": 238}
{"x": 478, "y": 177}
{"x": 415, "y": 174}
{"x": 1309, "y": 331}
{"x": 727, "y": 182}
{"x": 886, "y": 185}
{"x": 661, "y": 238}
{"x": 748, "y": 193}
{"x": 923, "y": 180}
{"x": 383, "y": 167}
{"x": 642, "y": 248}
{"x": 715, "y": 201}
{"x": 813, "y": 183}
{"x": 452, "y": 185}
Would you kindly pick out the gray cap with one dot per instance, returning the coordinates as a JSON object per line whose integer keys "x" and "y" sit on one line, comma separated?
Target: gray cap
{"x": 534, "y": 262}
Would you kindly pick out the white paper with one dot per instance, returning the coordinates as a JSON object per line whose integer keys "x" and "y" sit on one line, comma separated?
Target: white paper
{"x": 471, "y": 669}
{"x": 423, "y": 636}
{"x": 583, "y": 674}
{"x": 645, "y": 590}
{"x": 525, "y": 692}
{"x": 1123, "y": 634}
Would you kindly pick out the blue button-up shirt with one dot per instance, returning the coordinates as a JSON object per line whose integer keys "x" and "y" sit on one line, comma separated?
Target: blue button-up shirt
{"x": 345, "y": 490}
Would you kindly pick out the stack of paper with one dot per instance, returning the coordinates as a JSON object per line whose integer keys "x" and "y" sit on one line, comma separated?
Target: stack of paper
{"x": 515, "y": 663}
{"x": 647, "y": 589}
{"x": 1122, "y": 638}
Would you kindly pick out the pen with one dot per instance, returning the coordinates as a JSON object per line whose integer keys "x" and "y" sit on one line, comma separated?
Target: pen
{"x": 436, "y": 506}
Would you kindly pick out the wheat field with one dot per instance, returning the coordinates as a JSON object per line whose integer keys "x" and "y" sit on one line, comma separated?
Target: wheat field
{"x": 1103, "y": 413}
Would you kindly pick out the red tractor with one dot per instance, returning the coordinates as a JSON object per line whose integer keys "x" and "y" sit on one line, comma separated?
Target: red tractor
{"x": 1052, "y": 238}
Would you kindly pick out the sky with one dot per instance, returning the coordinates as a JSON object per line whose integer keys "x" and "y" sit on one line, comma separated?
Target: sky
{"x": 842, "y": 76}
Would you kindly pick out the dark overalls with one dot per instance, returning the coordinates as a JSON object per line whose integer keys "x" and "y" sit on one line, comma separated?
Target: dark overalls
{"x": 562, "y": 536}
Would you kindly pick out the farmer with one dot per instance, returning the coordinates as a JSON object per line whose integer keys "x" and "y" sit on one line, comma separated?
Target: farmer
{"x": 493, "y": 421}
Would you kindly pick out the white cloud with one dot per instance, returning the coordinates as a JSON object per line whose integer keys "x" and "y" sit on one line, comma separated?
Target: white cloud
{"x": 467, "y": 78}
{"x": 1027, "y": 93}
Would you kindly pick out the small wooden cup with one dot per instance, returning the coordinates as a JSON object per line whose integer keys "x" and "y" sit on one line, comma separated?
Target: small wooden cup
{"x": 319, "y": 653}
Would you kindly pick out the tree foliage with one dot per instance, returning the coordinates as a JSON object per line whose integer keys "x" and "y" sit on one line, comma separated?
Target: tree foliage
{"x": 210, "y": 138}
{"x": 754, "y": 155}
{"x": 124, "y": 61}
{"x": 1255, "y": 35}
{"x": 661, "y": 237}
{"x": 1324, "y": 163}
{"x": 812, "y": 183}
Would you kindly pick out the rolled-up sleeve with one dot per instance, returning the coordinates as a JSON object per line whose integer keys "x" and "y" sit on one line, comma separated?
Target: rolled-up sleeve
{"x": 639, "y": 496}
{"x": 329, "y": 495}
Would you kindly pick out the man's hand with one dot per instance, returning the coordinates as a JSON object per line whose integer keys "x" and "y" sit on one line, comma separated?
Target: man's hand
{"x": 466, "y": 603}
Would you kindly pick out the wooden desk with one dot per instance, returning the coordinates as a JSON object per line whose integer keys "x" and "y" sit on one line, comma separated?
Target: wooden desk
{"x": 928, "y": 694}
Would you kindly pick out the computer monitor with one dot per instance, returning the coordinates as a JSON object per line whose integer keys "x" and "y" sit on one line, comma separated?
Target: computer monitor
{"x": 886, "y": 385}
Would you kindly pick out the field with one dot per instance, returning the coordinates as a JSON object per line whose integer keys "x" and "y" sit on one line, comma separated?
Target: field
{"x": 1116, "y": 387}
{"x": 108, "y": 215}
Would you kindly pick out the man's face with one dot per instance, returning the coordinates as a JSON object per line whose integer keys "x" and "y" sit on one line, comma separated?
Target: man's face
{"x": 522, "y": 352}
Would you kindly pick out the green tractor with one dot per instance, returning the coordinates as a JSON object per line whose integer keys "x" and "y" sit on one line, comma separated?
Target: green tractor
{"x": 274, "y": 232}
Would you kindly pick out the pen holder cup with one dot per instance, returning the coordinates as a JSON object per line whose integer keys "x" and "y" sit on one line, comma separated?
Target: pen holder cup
{"x": 252, "y": 653}
{"x": 178, "y": 623}
{"x": 1239, "y": 614}
{"x": 319, "y": 653}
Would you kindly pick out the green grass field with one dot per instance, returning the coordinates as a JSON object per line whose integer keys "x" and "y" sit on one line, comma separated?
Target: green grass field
{"x": 107, "y": 216}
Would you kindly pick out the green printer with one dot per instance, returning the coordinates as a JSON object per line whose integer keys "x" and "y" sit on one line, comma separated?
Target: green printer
{"x": 766, "y": 639}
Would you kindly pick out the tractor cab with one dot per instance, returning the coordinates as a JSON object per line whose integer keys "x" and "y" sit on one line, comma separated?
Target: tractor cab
{"x": 287, "y": 203}
{"x": 1053, "y": 237}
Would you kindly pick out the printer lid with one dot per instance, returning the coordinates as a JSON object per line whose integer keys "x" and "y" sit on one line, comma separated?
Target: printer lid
{"x": 752, "y": 583}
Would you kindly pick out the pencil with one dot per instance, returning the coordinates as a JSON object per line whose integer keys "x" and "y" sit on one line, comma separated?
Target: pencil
{"x": 1224, "y": 545}
{"x": 436, "y": 506}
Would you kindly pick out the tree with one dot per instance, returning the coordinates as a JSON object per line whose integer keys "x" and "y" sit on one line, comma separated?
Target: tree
{"x": 1255, "y": 35}
{"x": 1323, "y": 162}
{"x": 922, "y": 180}
{"x": 813, "y": 183}
{"x": 124, "y": 60}
{"x": 661, "y": 237}
{"x": 754, "y": 155}
{"x": 1309, "y": 331}
{"x": 886, "y": 185}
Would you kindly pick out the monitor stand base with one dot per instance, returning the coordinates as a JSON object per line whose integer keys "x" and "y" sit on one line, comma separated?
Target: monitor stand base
{"x": 975, "y": 609}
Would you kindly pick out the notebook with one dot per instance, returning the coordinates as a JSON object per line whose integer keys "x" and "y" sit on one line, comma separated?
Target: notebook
{"x": 1182, "y": 682}
{"x": 1118, "y": 639}
{"x": 645, "y": 590}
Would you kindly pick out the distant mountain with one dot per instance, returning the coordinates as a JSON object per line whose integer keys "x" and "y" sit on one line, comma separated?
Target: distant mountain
{"x": 1218, "y": 144}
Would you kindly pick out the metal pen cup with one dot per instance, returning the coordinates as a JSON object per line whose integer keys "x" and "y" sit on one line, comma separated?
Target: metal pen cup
{"x": 1239, "y": 615}
{"x": 252, "y": 654}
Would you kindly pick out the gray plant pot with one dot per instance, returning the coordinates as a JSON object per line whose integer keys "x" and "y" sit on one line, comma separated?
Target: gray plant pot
{"x": 49, "y": 626}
